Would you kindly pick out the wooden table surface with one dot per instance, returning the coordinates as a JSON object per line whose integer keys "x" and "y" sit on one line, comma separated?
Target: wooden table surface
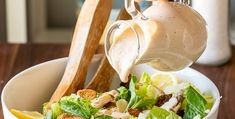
{"x": 15, "y": 58}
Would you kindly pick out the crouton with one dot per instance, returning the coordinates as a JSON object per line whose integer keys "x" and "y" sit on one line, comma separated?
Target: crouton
{"x": 87, "y": 94}
{"x": 163, "y": 99}
{"x": 135, "y": 112}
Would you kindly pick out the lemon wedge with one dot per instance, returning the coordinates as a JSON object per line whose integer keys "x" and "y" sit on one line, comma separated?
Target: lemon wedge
{"x": 164, "y": 80}
{"x": 27, "y": 114}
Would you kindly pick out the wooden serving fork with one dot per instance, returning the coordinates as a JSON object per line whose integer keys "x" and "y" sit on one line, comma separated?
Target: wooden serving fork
{"x": 89, "y": 29}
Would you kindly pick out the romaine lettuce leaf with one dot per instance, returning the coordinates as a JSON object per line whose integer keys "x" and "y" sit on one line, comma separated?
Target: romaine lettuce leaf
{"x": 49, "y": 115}
{"x": 103, "y": 117}
{"x": 77, "y": 106}
{"x": 124, "y": 93}
{"x": 144, "y": 103}
{"x": 153, "y": 92}
{"x": 143, "y": 94}
{"x": 134, "y": 98}
{"x": 209, "y": 100}
{"x": 159, "y": 113}
{"x": 146, "y": 87}
{"x": 145, "y": 78}
{"x": 54, "y": 112}
{"x": 196, "y": 104}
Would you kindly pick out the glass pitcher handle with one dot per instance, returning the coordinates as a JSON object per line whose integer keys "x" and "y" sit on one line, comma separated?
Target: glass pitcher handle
{"x": 131, "y": 9}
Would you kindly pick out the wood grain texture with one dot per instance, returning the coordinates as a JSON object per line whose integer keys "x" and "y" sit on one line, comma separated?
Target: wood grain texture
{"x": 103, "y": 77}
{"x": 15, "y": 58}
{"x": 89, "y": 29}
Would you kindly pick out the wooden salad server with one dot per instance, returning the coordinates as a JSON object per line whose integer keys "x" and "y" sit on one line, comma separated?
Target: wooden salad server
{"x": 88, "y": 31}
{"x": 93, "y": 16}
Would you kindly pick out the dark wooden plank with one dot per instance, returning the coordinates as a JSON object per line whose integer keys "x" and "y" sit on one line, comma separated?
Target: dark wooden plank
{"x": 29, "y": 55}
{"x": 7, "y": 57}
{"x": 15, "y": 58}
{"x": 6, "y": 65}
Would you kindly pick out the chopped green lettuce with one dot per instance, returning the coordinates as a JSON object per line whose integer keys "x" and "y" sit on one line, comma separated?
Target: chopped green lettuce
{"x": 196, "y": 104}
{"x": 103, "y": 117}
{"x": 159, "y": 113}
{"x": 144, "y": 103}
{"x": 184, "y": 104}
{"x": 146, "y": 88}
{"x": 54, "y": 112}
{"x": 143, "y": 94}
{"x": 77, "y": 106}
{"x": 145, "y": 79}
{"x": 49, "y": 115}
{"x": 134, "y": 97}
{"x": 152, "y": 92}
{"x": 124, "y": 93}
{"x": 209, "y": 100}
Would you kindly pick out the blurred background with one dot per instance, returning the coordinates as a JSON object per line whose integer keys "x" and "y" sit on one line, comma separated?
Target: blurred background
{"x": 53, "y": 21}
{"x": 41, "y": 21}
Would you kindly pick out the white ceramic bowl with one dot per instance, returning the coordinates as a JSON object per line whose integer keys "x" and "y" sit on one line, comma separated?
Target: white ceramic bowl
{"x": 31, "y": 88}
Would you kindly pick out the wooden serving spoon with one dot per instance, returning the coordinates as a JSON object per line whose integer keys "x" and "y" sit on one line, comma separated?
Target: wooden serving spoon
{"x": 89, "y": 29}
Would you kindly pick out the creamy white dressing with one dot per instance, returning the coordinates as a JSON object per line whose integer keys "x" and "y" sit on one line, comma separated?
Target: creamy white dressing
{"x": 171, "y": 39}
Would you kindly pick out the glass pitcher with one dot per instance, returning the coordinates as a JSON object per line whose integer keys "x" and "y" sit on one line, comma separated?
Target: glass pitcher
{"x": 169, "y": 36}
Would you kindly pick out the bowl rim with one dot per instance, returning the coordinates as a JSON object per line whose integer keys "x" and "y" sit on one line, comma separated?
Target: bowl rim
{"x": 213, "y": 110}
{"x": 3, "y": 93}
{"x": 216, "y": 104}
